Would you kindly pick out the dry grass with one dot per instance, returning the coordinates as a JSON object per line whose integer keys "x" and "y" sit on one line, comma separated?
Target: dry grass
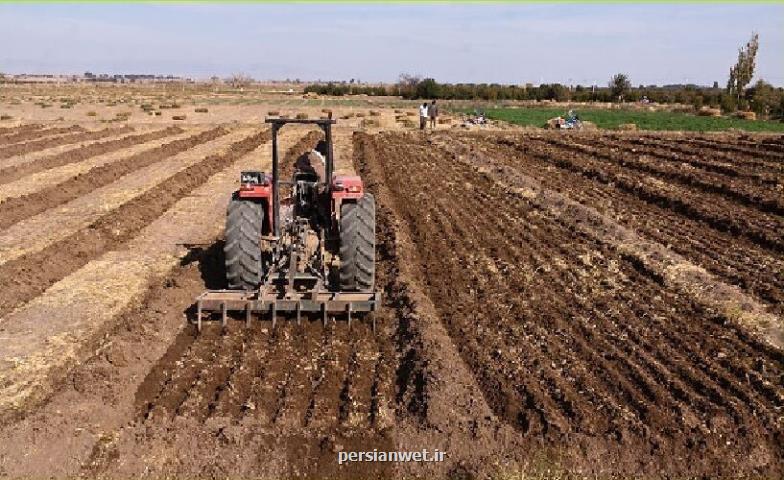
{"x": 709, "y": 112}
{"x": 746, "y": 115}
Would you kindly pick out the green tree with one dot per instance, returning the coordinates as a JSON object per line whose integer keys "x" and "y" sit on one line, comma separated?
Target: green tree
{"x": 620, "y": 86}
{"x": 742, "y": 72}
{"x": 763, "y": 98}
{"x": 427, "y": 88}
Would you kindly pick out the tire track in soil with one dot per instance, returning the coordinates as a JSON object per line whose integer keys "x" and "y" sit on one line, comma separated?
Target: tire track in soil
{"x": 16, "y": 172}
{"x": 22, "y": 280}
{"x": 37, "y": 145}
{"x": 632, "y": 388}
{"x": 16, "y": 209}
{"x": 35, "y": 134}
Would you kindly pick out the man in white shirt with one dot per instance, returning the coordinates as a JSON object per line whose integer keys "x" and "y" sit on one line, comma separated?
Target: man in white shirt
{"x": 423, "y": 116}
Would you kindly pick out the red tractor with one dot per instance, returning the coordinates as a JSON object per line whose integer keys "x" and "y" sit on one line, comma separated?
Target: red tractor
{"x": 313, "y": 251}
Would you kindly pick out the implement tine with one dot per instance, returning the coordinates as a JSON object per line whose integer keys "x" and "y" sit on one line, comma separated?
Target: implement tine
{"x": 299, "y": 314}
{"x": 348, "y": 308}
{"x": 274, "y": 313}
{"x": 224, "y": 315}
{"x": 198, "y": 316}
{"x": 324, "y": 311}
{"x": 247, "y": 314}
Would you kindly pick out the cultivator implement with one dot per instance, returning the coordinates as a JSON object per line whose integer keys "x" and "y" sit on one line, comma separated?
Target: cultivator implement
{"x": 318, "y": 256}
{"x": 322, "y": 302}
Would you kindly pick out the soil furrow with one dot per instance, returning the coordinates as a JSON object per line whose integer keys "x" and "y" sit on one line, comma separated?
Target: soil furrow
{"x": 36, "y": 134}
{"x": 7, "y": 131}
{"x": 37, "y": 145}
{"x": 21, "y": 281}
{"x": 558, "y": 394}
{"x": 13, "y": 210}
{"x": 14, "y": 173}
{"x": 741, "y": 262}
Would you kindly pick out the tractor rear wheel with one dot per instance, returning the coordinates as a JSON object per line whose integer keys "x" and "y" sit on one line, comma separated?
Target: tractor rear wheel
{"x": 244, "y": 260}
{"x": 358, "y": 244}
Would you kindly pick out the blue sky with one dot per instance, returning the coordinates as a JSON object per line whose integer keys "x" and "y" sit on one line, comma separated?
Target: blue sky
{"x": 504, "y": 43}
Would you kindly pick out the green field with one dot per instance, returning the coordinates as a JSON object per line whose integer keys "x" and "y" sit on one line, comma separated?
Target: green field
{"x": 644, "y": 120}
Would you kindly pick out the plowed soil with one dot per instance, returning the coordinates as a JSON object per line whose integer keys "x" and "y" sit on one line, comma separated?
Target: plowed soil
{"x": 34, "y": 132}
{"x": 54, "y": 141}
{"x": 10, "y": 174}
{"x": 604, "y": 305}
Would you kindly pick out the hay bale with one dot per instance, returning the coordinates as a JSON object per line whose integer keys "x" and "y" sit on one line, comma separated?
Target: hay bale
{"x": 91, "y": 114}
{"x": 369, "y": 122}
{"x": 375, "y": 113}
{"x": 326, "y": 110}
{"x": 709, "y": 112}
{"x": 359, "y": 114}
{"x": 201, "y": 110}
{"x": 6, "y": 117}
{"x": 628, "y": 127}
{"x": 178, "y": 117}
{"x": 397, "y": 110}
{"x": 301, "y": 116}
{"x": 273, "y": 113}
{"x": 746, "y": 115}
{"x": 444, "y": 121}
{"x": 410, "y": 124}
{"x": 400, "y": 118}
{"x": 553, "y": 123}
{"x": 411, "y": 114}
{"x": 589, "y": 125}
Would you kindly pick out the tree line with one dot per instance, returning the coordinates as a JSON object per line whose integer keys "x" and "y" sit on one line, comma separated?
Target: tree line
{"x": 761, "y": 97}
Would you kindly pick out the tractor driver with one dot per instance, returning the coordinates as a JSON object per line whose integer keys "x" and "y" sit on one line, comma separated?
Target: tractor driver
{"x": 314, "y": 161}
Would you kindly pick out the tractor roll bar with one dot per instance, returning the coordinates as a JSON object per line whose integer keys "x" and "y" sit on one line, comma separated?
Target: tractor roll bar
{"x": 277, "y": 123}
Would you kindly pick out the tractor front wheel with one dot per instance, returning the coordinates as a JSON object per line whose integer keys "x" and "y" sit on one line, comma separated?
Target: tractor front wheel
{"x": 358, "y": 244}
{"x": 244, "y": 259}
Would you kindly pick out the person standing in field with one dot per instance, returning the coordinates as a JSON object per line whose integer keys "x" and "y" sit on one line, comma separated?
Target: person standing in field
{"x": 432, "y": 112}
{"x": 423, "y": 116}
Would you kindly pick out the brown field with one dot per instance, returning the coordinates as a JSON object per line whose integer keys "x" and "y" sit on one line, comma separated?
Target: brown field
{"x": 556, "y": 304}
